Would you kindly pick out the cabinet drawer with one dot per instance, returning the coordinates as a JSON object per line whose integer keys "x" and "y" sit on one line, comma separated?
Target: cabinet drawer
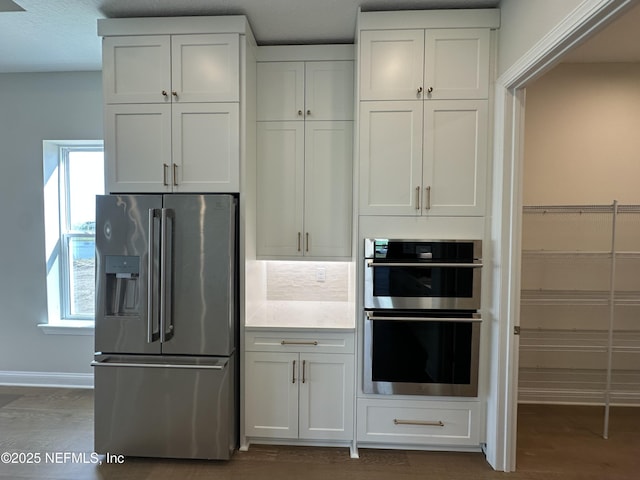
{"x": 414, "y": 422}
{"x": 299, "y": 341}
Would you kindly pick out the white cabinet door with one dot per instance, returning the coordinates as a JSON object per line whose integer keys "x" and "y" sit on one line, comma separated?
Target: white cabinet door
{"x": 136, "y": 69}
{"x": 455, "y": 157}
{"x": 328, "y": 167}
{"x": 206, "y": 155}
{"x": 280, "y": 188}
{"x": 456, "y": 63}
{"x": 329, "y": 90}
{"x": 138, "y": 148}
{"x": 165, "y": 69}
{"x": 205, "y": 68}
{"x": 391, "y": 64}
{"x": 280, "y": 91}
{"x": 390, "y": 158}
{"x": 321, "y": 90}
{"x": 271, "y": 395}
{"x": 326, "y": 385}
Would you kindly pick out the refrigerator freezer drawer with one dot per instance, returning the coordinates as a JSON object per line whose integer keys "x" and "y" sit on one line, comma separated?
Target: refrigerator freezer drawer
{"x": 171, "y": 407}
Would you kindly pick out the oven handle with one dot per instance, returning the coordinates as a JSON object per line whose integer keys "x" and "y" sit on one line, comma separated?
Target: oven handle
{"x": 371, "y": 263}
{"x": 475, "y": 318}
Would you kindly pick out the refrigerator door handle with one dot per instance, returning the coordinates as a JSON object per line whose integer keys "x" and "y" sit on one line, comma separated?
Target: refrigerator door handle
{"x": 218, "y": 366}
{"x": 151, "y": 337}
{"x": 166, "y": 320}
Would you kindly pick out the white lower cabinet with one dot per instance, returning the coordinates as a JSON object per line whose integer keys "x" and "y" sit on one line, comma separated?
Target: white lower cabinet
{"x": 426, "y": 423}
{"x": 298, "y": 392}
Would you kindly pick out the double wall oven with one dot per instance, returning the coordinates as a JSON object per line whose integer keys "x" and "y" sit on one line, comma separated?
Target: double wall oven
{"x": 422, "y": 320}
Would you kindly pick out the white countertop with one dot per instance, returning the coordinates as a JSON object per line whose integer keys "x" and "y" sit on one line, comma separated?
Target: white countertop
{"x": 303, "y": 314}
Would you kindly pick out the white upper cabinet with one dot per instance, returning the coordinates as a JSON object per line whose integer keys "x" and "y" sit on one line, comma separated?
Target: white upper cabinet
{"x": 424, "y": 118}
{"x": 136, "y": 69}
{"x": 206, "y": 147}
{"x": 171, "y": 68}
{"x": 172, "y": 115}
{"x": 391, "y": 158}
{"x": 280, "y": 188}
{"x": 205, "y": 68}
{"x": 181, "y": 148}
{"x": 304, "y": 158}
{"x": 328, "y": 188}
{"x": 391, "y": 64}
{"x": 423, "y": 158}
{"x": 454, "y": 157}
{"x": 304, "y": 189}
{"x": 329, "y": 90}
{"x": 280, "y": 91}
{"x": 424, "y": 63}
{"x": 318, "y": 90}
{"x": 456, "y": 64}
{"x": 137, "y": 144}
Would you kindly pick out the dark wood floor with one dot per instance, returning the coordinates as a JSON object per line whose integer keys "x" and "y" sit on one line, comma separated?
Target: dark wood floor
{"x": 554, "y": 443}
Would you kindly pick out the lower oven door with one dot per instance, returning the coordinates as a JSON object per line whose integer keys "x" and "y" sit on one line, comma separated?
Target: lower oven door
{"x": 418, "y": 354}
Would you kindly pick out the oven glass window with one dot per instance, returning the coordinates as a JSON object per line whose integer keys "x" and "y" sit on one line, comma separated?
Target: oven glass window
{"x": 427, "y": 281}
{"x": 421, "y": 351}
{"x": 408, "y": 250}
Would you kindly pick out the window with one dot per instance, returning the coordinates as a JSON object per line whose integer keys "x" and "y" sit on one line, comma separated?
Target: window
{"x": 73, "y": 176}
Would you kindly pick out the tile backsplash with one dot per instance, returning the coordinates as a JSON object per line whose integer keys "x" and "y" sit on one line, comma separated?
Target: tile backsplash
{"x": 308, "y": 281}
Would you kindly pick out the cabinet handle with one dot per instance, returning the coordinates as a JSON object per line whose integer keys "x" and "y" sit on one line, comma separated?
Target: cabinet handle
{"x": 417, "y": 198}
{"x": 293, "y": 373}
{"x": 423, "y": 423}
{"x": 164, "y": 174}
{"x": 299, "y": 113}
{"x": 306, "y": 235}
{"x": 430, "y": 90}
{"x": 304, "y": 363}
{"x": 427, "y": 198}
{"x": 419, "y": 91}
{"x": 299, "y": 240}
{"x": 308, "y": 112}
{"x": 175, "y": 94}
{"x": 300, "y": 342}
{"x": 165, "y": 94}
{"x": 175, "y": 175}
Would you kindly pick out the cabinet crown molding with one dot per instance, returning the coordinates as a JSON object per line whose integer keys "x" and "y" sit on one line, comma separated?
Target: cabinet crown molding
{"x": 173, "y": 25}
{"x": 301, "y": 53}
{"x": 408, "y": 19}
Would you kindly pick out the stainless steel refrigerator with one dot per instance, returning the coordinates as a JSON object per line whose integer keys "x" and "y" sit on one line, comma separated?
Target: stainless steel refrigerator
{"x": 166, "y": 326}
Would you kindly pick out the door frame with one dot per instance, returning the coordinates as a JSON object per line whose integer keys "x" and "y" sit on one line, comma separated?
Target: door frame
{"x": 589, "y": 17}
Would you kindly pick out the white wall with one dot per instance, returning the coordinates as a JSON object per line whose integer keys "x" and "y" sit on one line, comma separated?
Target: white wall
{"x": 36, "y": 107}
{"x": 523, "y": 23}
{"x": 581, "y": 135}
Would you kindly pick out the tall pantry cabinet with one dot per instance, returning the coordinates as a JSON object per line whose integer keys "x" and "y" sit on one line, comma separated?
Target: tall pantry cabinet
{"x": 424, "y": 82}
{"x": 172, "y": 103}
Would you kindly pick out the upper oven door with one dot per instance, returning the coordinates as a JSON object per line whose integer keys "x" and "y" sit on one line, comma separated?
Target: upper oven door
{"x": 412, "y": 274}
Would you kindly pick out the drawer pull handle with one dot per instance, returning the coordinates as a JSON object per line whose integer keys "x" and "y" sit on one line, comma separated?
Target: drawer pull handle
{"x": 289, "y": 342}
{"x": 423, "y": 423}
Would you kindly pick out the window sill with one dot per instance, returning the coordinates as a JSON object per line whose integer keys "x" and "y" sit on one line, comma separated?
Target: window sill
{"x": 68, "y": 327}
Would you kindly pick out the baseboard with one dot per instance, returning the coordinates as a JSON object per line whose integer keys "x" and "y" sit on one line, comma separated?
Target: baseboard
{"x": 46, "y": 379}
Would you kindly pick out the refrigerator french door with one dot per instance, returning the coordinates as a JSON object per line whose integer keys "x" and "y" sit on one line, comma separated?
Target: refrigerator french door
{"x": 166, "y": 326}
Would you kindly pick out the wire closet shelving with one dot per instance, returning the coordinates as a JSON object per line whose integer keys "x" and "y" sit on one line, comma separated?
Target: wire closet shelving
{"x": 580, "y": 305}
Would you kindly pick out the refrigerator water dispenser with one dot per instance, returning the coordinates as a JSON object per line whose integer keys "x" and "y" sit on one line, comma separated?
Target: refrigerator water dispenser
{"x": 122, "y": 285}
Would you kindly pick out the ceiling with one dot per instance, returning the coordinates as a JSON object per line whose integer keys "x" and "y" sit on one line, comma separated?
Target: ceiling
{"x": 60, "y": 35}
